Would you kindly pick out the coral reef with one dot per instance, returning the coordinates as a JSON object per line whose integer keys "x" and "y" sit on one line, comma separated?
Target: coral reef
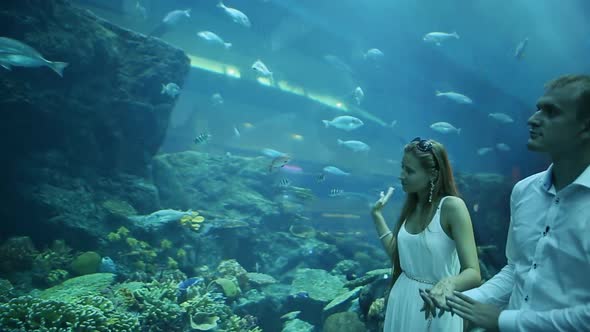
{"x": 343, "y": 322}
{"x": 86, "y": 263}
{"x": 28, "y": 313}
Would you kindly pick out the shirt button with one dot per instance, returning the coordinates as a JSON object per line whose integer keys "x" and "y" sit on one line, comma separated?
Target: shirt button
{"x": 526, "y": 298}
{"x": 535, "y": 266}
{"x": 557, "y": 200}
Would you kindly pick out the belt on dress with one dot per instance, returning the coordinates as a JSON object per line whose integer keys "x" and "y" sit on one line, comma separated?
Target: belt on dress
{"x": 424, "y": 281}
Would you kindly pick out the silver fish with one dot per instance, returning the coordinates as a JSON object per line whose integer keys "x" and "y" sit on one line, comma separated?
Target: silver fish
{"x": 503, "y": 147}
{"x": 373, "y": 54}
{"x": 335, "y": 170}
{"x": 236, "y": 15}
{"x": 356, "y": 146}
{"x": 176, "y": 16}
{"x": 504, "y": 118}
{"x": 521, "y": 48}
{"x": 213, "y": 39}
{"x": 455, "y": 96}
{"x": 261, "y": 68}
{"x": 484, "y": 151}
{"x": 202, "y": 138}
{"x": 18, "y": 54}
{"x": 445, "y": 128}
{"x": 438, "y": 37}
{"x": 358, "y": 95}
{"x": 344, "y": 122}
{"x": 170, "y": 89}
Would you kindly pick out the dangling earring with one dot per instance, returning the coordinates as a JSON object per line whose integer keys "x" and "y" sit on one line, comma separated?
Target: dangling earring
{"x": 431, "y": 191}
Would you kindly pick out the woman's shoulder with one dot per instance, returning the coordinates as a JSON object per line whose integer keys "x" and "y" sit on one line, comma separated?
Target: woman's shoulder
{"x": 453, "y": 204}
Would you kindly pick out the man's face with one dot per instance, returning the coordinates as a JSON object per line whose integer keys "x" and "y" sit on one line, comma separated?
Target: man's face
{"x": 553, "y": 127}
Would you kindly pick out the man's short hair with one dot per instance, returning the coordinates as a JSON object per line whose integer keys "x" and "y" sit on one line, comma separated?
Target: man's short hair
{"x": 581, "y": 84}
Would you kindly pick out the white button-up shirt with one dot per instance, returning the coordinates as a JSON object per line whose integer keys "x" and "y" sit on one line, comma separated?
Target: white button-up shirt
{"x": 546, "y": 284}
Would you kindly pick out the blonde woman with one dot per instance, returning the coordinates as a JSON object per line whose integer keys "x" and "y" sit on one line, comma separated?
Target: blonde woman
{"x": 432, "y": 246}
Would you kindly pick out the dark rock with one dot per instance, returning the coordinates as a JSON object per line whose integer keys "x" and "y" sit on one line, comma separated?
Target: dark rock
{"x": 70, "y": 143}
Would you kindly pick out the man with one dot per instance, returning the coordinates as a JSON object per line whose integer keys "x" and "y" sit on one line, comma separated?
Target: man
{"x": 546, "y": 284}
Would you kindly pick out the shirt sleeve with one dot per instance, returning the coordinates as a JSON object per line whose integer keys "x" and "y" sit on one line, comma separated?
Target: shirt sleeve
{"x": 575, "y": 318}
{"x": 497, "y": 290}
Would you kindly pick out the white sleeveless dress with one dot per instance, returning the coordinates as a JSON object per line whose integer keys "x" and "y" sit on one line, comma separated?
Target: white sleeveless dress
{"x": 425, "y": 259}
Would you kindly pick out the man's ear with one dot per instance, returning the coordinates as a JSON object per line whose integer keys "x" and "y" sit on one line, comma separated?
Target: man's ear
{"x": 585, "y": 131}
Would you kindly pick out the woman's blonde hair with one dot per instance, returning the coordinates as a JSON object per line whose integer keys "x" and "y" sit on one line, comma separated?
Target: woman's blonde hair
{"x": 433, "y": 159}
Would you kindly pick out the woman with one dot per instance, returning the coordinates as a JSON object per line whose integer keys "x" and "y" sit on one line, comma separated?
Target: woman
{"x": 432, "y": 245}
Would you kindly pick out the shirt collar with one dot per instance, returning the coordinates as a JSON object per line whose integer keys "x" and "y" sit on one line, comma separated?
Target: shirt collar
{"x": 582, "y": 180}
{"x": 546, "y": 179}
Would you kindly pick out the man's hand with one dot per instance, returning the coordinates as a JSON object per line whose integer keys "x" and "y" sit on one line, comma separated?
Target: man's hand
{"x": 478, "y": 314}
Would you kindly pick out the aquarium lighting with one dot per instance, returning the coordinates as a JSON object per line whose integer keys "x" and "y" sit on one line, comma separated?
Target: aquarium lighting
{"x": 233, "y": 71}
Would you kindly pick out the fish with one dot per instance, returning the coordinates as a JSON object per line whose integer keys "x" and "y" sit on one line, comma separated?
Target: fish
{"x": 373, "y": 54}
{"x": 176, "y": 16}
{"x": 278, "y": 162}
{"x": 272, "y": 153}
{"x": 300, "y": 295}
{"x": 236, "y": 15}
{"x": 237, "y": 132}
{"x": 339, "y": 193}
{"x": 169, "y": 21}
{"x": 455, "y": 96}
{"x": 521, "y": 48}
{"x": 344, "y": 122}
{"x": 159, "y": 218}
{"x": 107, "y": 265}
{"x": 202, "y": 138}
{"x": 284, "y": 183}
{"x": 184, "y": 285}
{"x": 140, "y": 10}
{"x": 335, "y": 192}
{"x": 14, "y": 53}
{"x": 297, "y": 137}
{"x": 358, "y": 95}
{"x": 337, "y": 63}
{"x": 503, "y": 147}
{"x": 438, "y": 37}
{"x": 356, "y": 146}
{"x": 216, "y": 99}
{"x": 261, "y": 68}
{"x": 504, "y": 118}
{"x": 213, "y": 39}
{"x": 170, "y": 89}
{"x": 321, "y": 177}
{"x": 335, "y": 170}
{"x": 445, "y": 128}
{"x": 484, "y": 150}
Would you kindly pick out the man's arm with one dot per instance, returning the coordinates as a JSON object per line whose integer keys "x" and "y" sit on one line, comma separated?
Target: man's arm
{"x": 569, "y": 319}
{"x": 497, "y": 290}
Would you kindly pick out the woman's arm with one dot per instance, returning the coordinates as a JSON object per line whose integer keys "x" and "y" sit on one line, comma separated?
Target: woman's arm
{"x": 457, "y": 216}
{"x": 385, "y": 234}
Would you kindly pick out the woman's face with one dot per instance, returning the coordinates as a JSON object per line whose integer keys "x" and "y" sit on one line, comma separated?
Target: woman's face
{"x": 413, "y": 176}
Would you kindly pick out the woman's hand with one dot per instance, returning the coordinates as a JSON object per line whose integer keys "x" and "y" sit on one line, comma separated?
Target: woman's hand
{"x": 378, "y": 206}
{"x": 437, "y": 298}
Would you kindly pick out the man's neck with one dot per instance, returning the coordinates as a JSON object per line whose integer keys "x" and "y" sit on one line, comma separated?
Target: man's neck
{"x": 567, "y": 169}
